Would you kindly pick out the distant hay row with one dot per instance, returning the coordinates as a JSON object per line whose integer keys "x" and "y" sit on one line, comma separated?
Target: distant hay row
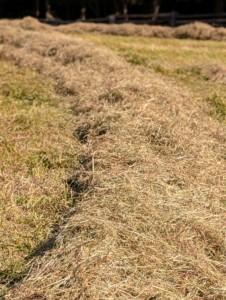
{"x": 196, "y": 30}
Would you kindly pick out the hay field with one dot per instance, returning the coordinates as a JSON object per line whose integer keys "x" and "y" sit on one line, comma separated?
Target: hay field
{"x": 112, "y": 165}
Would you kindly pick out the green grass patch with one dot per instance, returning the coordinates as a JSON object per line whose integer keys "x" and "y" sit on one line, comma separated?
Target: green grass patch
{"x": 37, "y": 149}
{"x": 181, "y": 60}
{"x": 218, "y": 107}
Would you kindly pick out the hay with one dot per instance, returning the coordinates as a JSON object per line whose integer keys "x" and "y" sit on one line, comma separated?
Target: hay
{"x": 200, "y": 31}
{"x": 115, "y": 29}
{"x": 150, "y": 221}
{"x": 196, "y": 30}
{"x": 212, "y": 72}
{"x": 27, "y": 23}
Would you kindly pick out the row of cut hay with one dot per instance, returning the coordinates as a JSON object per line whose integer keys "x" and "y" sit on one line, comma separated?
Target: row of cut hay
{"x": 115, "y": 29}
{"x": 60, "y": 53}
{"x": 196, "y": 30}
{"x": 151, "y": 223}
{"x": 27, "y": 23}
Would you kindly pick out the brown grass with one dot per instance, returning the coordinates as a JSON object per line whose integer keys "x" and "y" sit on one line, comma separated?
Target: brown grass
{"x": 27, "y": 23}
{"x": 196, "y": 30}
{"x": 115, "y": 29}
{"x": 150, "y": 223}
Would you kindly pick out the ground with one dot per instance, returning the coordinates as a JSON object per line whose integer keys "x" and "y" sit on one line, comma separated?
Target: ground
{"x": 112, "y": 165}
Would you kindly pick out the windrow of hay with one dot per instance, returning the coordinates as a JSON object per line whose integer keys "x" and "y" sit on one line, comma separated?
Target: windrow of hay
{"x": 116, "y": 29}
{"x": 196, "y": 30}
{"x": 150, "y": 223}
{"x": 27, "y": 23}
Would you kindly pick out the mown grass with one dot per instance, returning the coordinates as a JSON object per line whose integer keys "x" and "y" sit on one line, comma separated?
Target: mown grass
{"x": 166, "y": 56}
{"x": 190, "y": 63}
{"x": 36, "y": 151}
{"x": 172, "y": 53}
{"x": 151, "y": 220}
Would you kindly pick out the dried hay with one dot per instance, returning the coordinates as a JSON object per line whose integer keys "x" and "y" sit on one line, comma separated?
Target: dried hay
{"x": 196, "y": 30}
{"x": 200, "y": 31}
{"x": 55, "y": 50}
{"x": 115, "y": 29}
{"x": 219, "y": 34}
{"x": 150, "y": 223}
{"x": 214, "y": 73}
{"x": 27, "y": 23}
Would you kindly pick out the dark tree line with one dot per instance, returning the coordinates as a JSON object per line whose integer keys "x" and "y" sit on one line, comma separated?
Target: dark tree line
{"x": 74, "y": 9}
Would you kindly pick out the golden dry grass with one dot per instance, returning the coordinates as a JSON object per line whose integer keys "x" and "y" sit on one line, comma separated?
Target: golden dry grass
{"x": 196, "y": 30}
{"x": 187, "y": 60}
{"x": 149, "y": 176}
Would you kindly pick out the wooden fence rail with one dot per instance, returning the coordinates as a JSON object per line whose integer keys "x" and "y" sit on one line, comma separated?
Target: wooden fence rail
{"x": 171, "y": 19}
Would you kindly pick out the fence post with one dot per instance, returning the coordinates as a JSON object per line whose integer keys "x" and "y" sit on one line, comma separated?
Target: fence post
{"x": 37, "y": 11}
{"x": 125, "y": 11}
{"x": 173, "y": 19}
{"x": 111, "y": 19}
{"x": 83, "y": 14}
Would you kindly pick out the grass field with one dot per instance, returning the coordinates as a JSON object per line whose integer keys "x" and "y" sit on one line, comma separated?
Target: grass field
{"x": 37, "y": 150}
{"x": 112, "y": 166}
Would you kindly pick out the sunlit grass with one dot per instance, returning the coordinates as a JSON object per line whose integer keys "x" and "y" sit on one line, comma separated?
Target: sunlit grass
{"x": 36, "y": 151}
{"x": 183, "y": 61}
{"x": 140, "y": 140}
{"x": 173, "y": 53}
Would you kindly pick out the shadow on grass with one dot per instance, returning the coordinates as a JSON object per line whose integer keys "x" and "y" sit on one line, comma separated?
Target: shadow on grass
{"x": 77, "y": 186}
